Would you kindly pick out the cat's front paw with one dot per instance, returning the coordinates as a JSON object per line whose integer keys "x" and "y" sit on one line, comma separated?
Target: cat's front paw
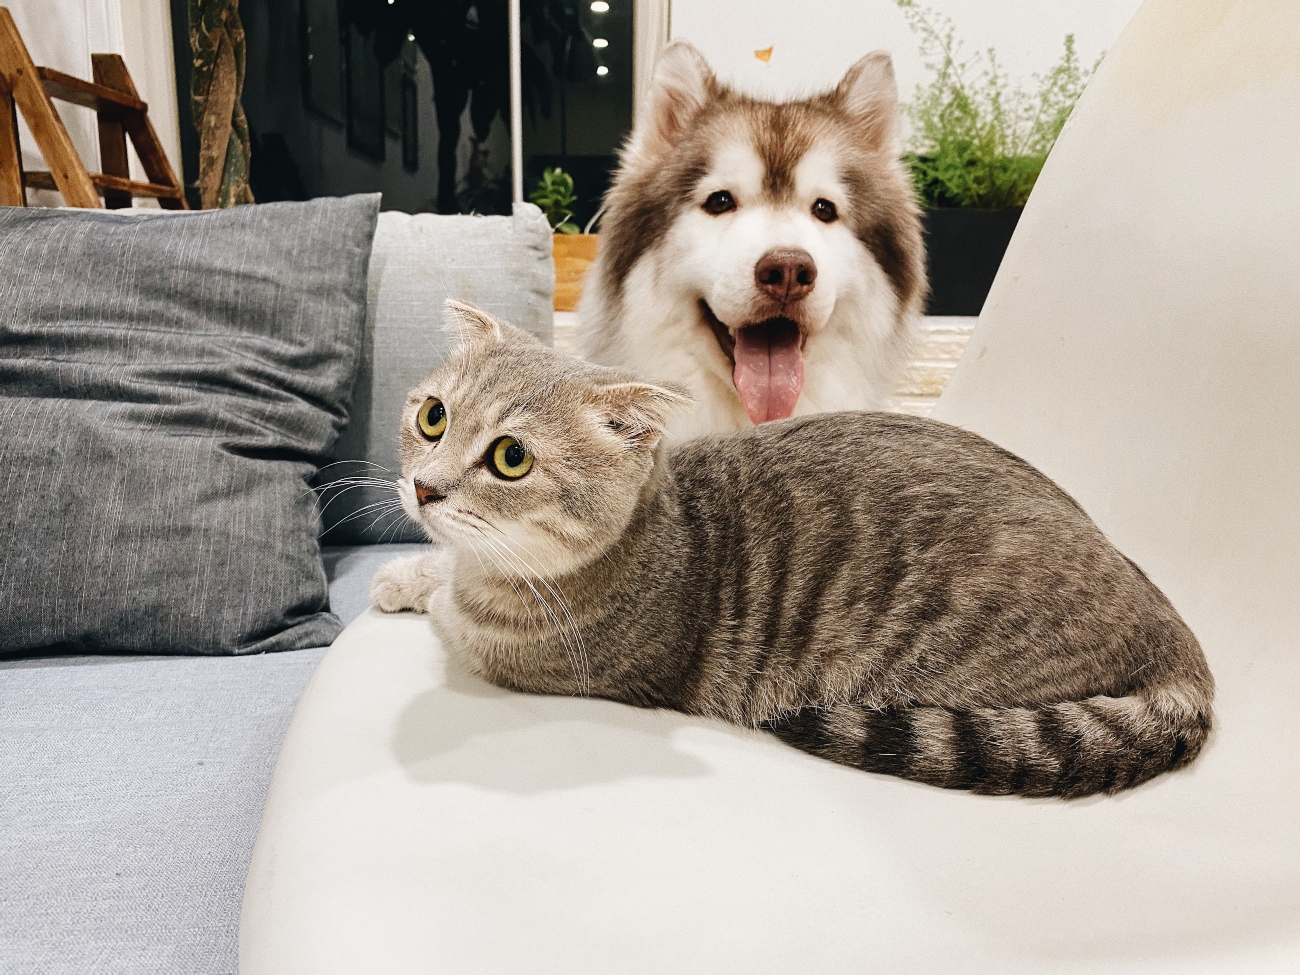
{"x": 404, "y": 584}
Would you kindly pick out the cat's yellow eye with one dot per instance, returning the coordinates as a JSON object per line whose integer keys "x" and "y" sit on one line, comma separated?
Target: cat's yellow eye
{"x": 509, "y": 459}
{"x": 432, "y": 419}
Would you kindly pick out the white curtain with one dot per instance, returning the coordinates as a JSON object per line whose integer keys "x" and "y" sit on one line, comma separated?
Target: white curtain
{"x": 63, "y": 34}
{"x": 651, "y": 29}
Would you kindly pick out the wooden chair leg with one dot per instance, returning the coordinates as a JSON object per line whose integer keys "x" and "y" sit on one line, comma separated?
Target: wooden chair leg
{"x": 69, "y": 173}
{"x": 113, "y": 159}
{"x": 11, "y": 160}
{"x": 110, "y": 71}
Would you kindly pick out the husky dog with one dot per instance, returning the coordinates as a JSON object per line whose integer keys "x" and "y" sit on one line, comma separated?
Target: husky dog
{"x": 767, "y": 256}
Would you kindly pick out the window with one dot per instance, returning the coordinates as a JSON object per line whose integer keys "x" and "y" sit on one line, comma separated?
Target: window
{"x": 412, "y": 98}
{"x": 577, "y": 92}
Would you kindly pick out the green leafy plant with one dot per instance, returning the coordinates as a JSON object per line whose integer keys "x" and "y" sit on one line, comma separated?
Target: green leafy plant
{"x": 554, "y": 194}
{"x": 978, "y": 140}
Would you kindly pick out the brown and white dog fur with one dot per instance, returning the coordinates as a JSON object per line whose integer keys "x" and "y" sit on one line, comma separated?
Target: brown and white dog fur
{"x": 767, "y": 256}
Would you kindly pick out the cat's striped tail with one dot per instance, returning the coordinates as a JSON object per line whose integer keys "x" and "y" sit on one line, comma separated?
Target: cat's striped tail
{"x": 1068, "y": 749}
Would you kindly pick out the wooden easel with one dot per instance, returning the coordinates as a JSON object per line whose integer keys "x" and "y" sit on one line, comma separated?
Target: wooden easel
{"x": 29, "y": 89}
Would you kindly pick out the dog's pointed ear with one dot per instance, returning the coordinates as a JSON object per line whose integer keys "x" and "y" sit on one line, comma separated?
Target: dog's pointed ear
{"x": 869, "y": 93}
{"x": 681, "y": 85}
{"x": 473, "y": 326}
{"x": 638, "y": 411}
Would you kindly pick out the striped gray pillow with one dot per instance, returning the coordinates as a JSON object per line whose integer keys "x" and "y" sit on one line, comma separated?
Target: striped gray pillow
{"x": 168, "y": 383}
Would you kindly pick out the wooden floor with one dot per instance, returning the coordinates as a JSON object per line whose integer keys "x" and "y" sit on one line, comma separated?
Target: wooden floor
{"x": 939, "y": 346}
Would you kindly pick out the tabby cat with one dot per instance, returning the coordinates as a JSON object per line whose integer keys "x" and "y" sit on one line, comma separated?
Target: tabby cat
{"x": 888, "y": 592}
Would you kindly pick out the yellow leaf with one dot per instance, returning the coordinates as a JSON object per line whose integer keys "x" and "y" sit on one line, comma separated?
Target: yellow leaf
{"x": 764, "y": 55}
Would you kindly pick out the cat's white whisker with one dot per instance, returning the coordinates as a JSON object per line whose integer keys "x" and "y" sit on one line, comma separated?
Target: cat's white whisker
{"x": 395, "y": 527}
{"x": 387, "y": 504}
{"x": 357, "y": 479}
{"x": 381, "y": 516}
{"x": 340, "y": 487}
{"x": 364, "y": 463}
{"x": 576, "y": 651}
{"x": 506, "y": 575}
{"x": 346, "y": 488}
{"x": 560, "y": 600}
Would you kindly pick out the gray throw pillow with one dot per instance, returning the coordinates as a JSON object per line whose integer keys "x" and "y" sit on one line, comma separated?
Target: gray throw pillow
{"x": 168, "y": 383}
{"x": 502, "y": 265}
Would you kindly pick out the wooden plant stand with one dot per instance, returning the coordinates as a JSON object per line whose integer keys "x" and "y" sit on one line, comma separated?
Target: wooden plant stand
{"x": 573, "y": 254}
{"x": 28, "y": 89}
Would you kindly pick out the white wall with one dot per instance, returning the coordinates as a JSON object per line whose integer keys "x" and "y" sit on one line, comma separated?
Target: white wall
{"x": 63, "y": 34}
{"x": 814, "y": 41}
{"x": 147, "y": 48}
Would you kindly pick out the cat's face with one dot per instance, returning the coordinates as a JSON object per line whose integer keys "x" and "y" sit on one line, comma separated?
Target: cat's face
{"x": 528, "y": 458}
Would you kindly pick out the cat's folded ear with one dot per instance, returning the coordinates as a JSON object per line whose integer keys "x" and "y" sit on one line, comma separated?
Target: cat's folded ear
{"x": 473, "y": 326}
{"x": 638, "y": 411}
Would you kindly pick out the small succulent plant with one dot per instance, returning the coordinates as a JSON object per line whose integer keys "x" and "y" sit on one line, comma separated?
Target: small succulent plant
{"x": 554, "y": 194}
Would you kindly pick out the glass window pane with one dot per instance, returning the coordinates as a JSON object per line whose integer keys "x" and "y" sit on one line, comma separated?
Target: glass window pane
{"x": 577, "y": 79}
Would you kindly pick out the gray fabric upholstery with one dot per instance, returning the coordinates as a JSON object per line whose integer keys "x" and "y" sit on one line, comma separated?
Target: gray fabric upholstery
{"x": 131, "y": 789}
{"x": 501, "y": 264}
{"x": 167, "y": 383}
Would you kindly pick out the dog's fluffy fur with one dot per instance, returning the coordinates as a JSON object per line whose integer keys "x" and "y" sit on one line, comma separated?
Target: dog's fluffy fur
{"x": 675, "y": 283}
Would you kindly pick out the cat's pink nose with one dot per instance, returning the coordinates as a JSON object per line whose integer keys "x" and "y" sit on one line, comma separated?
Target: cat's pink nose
{"x": 426, "y": 495}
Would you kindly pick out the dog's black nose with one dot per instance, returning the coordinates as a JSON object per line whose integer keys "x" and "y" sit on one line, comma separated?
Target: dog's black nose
{"x": 785, "y": 273}
{"x": 427, "y": 495}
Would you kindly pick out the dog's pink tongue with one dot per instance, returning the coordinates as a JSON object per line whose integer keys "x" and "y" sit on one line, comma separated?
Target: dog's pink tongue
{"x": 769, "y": 369}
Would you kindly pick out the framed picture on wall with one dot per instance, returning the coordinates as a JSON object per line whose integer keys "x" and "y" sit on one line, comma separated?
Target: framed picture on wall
{"x": 364, "y": 96}
{"x": 401, "y": 70}
{"x": 410, "y": 122}
{"x": 393, "y": 98}
{"x": 322, "y": 59}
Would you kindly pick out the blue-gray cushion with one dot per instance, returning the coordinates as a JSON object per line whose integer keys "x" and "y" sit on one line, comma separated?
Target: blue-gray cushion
{"x": 168, "y": 382}
{"x": 502, "y": 265}
{"x": 132, "y": 791}
{"x": 133, "y": 788}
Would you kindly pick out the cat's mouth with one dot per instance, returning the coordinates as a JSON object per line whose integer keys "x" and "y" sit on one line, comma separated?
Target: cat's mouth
{"x": 767, "y": 362}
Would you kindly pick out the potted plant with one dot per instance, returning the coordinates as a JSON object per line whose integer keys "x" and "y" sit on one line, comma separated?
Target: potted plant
{"x": 977, "y": 145}
{"x": 572, "y": 250}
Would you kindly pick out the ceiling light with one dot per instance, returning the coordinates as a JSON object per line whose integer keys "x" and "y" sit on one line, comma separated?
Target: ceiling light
{"x": 600, "y": 7}
{"x": 410, "y": 37}
{"x": 602, "y": 71}
{"x": 599, "y": 42}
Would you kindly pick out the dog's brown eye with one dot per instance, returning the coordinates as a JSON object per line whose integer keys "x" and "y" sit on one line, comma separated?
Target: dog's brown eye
{"x": 824, "y": 210}
{"x": 719, "y": 202}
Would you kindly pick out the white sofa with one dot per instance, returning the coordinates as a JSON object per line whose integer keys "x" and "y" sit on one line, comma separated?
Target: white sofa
{"x": 1140, "y": 346}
